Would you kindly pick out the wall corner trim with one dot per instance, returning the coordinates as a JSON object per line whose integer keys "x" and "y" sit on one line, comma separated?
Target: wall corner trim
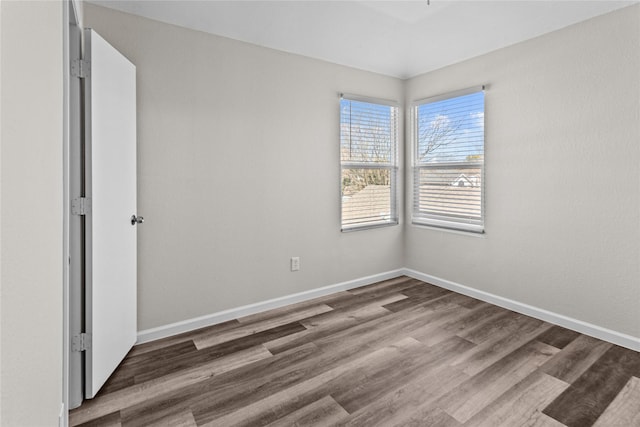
{"x": 595, "y": 331}
{"x": 234, "y": 313}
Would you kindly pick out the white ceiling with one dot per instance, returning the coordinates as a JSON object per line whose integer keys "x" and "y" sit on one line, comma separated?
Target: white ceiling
{"x": 397, "y": 38}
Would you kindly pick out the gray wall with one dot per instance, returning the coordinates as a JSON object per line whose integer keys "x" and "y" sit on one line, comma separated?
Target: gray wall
{"x": 238, "y": 170}
{"x": 562, "y": 174}
{"x": 31, "y": 167}
{"x": 239, "y": 166}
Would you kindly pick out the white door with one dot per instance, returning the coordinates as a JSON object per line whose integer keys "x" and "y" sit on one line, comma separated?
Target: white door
{"x": 110, "y": 233}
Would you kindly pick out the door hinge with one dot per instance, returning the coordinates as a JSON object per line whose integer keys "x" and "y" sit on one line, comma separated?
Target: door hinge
{"x": 81, "y": 342}
{"x": 81, "y": 206}
{"x": 80, "y": 68}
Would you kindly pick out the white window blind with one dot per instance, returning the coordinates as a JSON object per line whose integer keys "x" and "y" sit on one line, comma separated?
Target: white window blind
{"x": 448, "y": 166}
{"x": 368, "y": 160}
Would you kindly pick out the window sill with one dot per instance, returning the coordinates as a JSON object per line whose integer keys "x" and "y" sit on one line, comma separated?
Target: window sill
{"x": 452, "y": 227}
{"x": 368, "y": 226}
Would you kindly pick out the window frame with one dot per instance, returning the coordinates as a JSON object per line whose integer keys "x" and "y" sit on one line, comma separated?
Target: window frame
{"x": 444, "y": 221}
{"x": 393, "y": 166}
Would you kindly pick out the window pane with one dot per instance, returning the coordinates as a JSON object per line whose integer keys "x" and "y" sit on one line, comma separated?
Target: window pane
{"x": 451, "y": 192}
{"x": 451, "y": 130}
{"x": 367, "y": 132}
{"x": 366, "y": 196}
{"x": 449, "y": 162}
{"x": 368, "y": 154}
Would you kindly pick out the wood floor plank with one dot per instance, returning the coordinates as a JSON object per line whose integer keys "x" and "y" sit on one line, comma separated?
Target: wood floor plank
{"x": 109, "y": 420}
{"x": 625, "y": 409}
{"x": 284, "y": 402}
{"x": 586, "y": 399}
{"x": 430, "y": 333}
{"x": 390, "y": 324}
{"x": 522, "y": 402}
{"x": 287, "y": 310}
{"x": 335, "y": 318}
{"x": 323, "y": 412}
{"x": 347, "y": 346}
{"x": 433, "y": 335}
{"x": 543, "y": 420}
{"x": 499, "y": 326}
{"x": 140, "y": 363}
{"x": 558, "y": 336}
{"x": 118, "y": 381}
{"x": 441, "y": 330}
{"x": 576, "y": 358}
{"x": 435, "y": 417}
{"x": 245, "y": 330}
{"x": 465, "y": 401}
{"x": 329, "y": 323}
{"x": 407, "y": 403}
{"x": 430, "y": 302}
{"x": 385, "y": 329}
{"x": 479, "y": 315}
{"x": 184, "y": 337}
{"x": 290, "y": 341}
{"x": 353, "y": 397}
{"x": 182, "y": 418}
{"x": 118, "y": 400}
{"x": 235, "y": 392}
{"x": 165, "y": 353}
{"x": 490, "y": 351}
{"x": 371, "y": 296}
{"x": 395, "y": 283}
{"x": 226, "y": 390}
{"x": 424, "y": 291}
{"x": 157, "y": 369}
{"x": 470, "y": 302}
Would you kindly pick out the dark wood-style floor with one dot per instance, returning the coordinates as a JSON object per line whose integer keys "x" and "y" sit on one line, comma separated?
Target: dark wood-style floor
{"x": 396, "y": 353}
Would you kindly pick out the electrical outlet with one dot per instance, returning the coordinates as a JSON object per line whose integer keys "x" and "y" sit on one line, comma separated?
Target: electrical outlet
{"x": 295, "y": 263}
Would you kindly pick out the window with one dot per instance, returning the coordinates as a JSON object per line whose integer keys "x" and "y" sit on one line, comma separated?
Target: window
{"x": 448, "y": 161}
{"x": 368, "y": 162}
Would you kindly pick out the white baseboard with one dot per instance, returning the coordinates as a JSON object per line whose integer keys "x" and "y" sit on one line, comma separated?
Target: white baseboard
{"x": 595, "y": 331}
{"x": 609, "y": 335}
{"x": 234, "y": 313}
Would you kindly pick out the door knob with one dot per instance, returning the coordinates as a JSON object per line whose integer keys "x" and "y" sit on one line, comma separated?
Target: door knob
{"x": 136, "y": 220}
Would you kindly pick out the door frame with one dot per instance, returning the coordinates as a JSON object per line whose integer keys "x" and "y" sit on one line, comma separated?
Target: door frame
{"x": 72, "y": 124}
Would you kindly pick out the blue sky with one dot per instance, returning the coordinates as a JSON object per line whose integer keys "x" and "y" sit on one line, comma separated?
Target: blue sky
{"x": 451, "y": 129}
